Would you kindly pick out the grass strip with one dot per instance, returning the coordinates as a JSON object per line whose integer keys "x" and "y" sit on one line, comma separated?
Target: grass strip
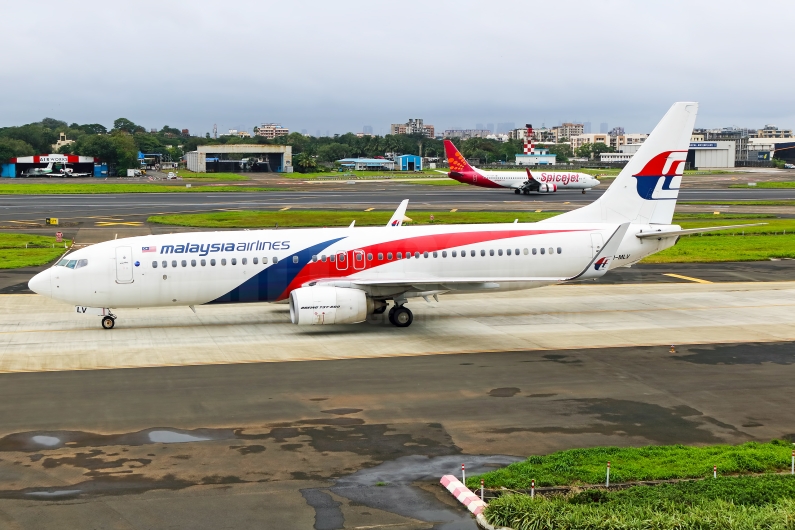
{"x": 14, "y": 255}
{"x": 189, "y": 175}
{"x": 520, "y": 512}
{"x": 448, "y": 182}
{"x": 317, "y": 218}
{"x": 99, "y": 188}
{"x": 628, "y": 464}
{"x": 773, "y": 184}
{"x": 750, "y": 202}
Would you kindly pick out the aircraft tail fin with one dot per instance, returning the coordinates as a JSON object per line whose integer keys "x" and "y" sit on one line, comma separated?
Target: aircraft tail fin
{"x": 458, "y": 164}
{"x": 646, "y": 190}
{"x": 400, "y": 214}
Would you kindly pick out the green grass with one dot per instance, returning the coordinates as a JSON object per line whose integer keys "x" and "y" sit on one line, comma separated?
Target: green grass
{"x": 741, "y": 203}
{"x": 363, "y": 174}
{"x": 429, "y": 182}
{"x": 13, "y": 253}
{"x": 773, "y": 184}
{"x": 588, "y": 466}
{"x": 520, "y": 512}
{"x": 304, "y": 218}
{"x": 189, "y": 175}
{"x": 89, "y": 189}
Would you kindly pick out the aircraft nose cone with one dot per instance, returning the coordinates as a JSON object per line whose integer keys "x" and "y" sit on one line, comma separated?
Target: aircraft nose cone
{"x": 40, "y": 284}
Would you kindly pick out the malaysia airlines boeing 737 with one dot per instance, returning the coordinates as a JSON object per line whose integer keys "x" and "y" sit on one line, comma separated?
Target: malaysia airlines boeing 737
{"x": 519, "y": 181}
{"x": 341, "y": 275}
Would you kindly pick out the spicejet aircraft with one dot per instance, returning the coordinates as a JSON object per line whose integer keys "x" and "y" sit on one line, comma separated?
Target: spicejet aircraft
{"x": 341, "y": 275}
{"x": 519, "y": 181}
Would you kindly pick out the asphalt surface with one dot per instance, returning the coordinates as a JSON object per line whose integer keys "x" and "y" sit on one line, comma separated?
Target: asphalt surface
{"x": 354, "y": 443}
{"x": 17, "y": 210}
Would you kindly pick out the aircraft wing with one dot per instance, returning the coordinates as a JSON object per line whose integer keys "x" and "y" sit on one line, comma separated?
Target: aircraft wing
{"x": 675, "y": 233}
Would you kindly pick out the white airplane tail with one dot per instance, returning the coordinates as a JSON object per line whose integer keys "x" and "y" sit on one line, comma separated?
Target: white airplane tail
{"x": 645, "y": 191}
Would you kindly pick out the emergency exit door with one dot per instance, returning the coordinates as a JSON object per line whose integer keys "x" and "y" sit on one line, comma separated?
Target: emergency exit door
{"x": 124, "y": 267}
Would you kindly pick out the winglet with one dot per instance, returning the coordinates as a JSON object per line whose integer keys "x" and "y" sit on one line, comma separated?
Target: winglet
{"x": 400, "y": 213}
{"x": 601, "y": 262}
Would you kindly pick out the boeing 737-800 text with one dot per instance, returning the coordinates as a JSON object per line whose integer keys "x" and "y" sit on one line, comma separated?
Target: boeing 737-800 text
{"x": 341, "y": 275}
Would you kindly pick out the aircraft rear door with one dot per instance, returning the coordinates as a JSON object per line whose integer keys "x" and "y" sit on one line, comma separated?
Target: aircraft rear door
{"x": 342, "y": 260}
{"x": 124, "y": 267}
{"x": 596, "y": 244}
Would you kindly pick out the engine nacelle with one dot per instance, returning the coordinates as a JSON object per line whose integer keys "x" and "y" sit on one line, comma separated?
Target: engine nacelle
{"x": 318, "y": 305}
{"x": 547, "y": 187}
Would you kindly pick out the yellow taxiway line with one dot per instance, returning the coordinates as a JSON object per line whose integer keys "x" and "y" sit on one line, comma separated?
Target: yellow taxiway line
{"x": 688, "y": 278}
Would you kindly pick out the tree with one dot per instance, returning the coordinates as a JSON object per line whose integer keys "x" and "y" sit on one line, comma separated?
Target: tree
{"x": 304, "y": 163}
{"x": 94, "y": 128}
{"x": 585, "y": 150}
{"x": 10, "y": 148}
{"x": 562, "y": 151}
{"x": 123, "y": 124}
{"x": 601, "y": 147}
{"x": 332, "y": 152}
{"x": 34, "y": 134}
{"x": 117, "y": 149}
{"x": 53, "y": 124}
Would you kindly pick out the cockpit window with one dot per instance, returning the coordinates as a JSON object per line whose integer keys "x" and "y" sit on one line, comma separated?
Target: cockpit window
{"x": 72, "y": 263}
{"x": 81, "y": 263}
{"x": 62, "y": 263}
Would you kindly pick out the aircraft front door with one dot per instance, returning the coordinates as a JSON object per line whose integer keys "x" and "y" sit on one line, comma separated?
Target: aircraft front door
{"x": 342, "y": 261}
{"x": 124, "y": 267}
{"x": 596, "y": 244}
{"x": 358, "y": 260}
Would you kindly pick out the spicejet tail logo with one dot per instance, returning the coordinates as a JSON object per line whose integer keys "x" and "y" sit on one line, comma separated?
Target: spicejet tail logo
{"x": 601, "y": 263}
{"x": 457, "y": 162}
{"x": 661, "y": 177}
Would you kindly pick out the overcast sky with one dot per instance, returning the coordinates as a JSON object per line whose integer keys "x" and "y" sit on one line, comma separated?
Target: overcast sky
{"x": 339, "y": 65}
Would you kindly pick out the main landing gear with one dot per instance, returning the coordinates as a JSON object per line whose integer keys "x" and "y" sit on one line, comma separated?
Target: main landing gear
{"x": 401, "y": 316}
{"x": 517, "y": 191}
{"x": 108, "y": 321}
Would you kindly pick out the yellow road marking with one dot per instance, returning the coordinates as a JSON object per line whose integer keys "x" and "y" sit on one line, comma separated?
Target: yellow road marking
{"x": 131, "y": 223}
{"x": 369, "y": 209}
{"x": 538, "y": 211}
{"x": 688, "y": 278}
{"x": 454, "y": 210}
{"x": 284, "y": 209}
{"x": 25, "y": 222}
{"x": 566, "y": 203}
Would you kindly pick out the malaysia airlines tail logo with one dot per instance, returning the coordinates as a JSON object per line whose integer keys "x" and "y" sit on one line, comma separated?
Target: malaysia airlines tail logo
{"x": 601, "y": 263}
{"x": 661, "y": 177}
{"x": 396, "y": 222}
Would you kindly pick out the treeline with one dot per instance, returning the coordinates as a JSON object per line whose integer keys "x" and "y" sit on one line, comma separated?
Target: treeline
{"x": 119, "y": 145}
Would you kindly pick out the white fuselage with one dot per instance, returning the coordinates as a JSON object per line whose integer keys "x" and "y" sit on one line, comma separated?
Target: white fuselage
{"x": 563, "y": 180}
{"x": 266, "y": 265}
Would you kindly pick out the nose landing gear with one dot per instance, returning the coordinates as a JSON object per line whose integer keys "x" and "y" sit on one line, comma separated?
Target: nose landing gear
{"x": 109, "y": 320}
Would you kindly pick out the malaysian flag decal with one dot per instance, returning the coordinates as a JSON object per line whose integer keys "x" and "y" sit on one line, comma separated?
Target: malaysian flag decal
{"x": 148, "y": 249}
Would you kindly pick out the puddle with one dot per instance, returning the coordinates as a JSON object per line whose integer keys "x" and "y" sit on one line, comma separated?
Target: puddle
{"x": 171, "y": 437}
{"x": 504, "y": 392}
{"x": 49, "y": 441}
{"x": 55, "y": 493}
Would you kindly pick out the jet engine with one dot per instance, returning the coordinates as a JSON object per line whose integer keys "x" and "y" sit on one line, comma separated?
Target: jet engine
{"x": 547, "y": 187}
{"x": 318, "y": 305}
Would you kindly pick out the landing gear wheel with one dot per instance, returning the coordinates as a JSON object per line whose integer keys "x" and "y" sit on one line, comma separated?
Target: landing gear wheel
{"x": 527, "y": 192}
{"x": 391, "y": 315}
{"x": 517, "y": 192}
{"x": 108, "y": 322}
{"x": 402, "y": 317}
{"x": 583, "y": 192}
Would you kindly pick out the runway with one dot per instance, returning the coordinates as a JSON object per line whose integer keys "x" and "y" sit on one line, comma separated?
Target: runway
{"x": 16, "y": 210}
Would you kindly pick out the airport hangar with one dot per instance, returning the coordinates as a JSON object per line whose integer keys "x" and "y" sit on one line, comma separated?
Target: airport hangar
{"x": 241, "y": 157}
{"x": 21, "y": 165}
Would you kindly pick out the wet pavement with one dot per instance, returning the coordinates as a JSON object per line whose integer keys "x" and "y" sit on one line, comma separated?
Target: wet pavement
{"x": 354, "y": 443}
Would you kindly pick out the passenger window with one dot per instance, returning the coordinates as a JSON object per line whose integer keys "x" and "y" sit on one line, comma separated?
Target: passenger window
{"x": 193, "y": 263}
{"x": 399, "y": 255}
{"x": 295, "y": 259}
{"x": 212, "y": 262}
{"x": 314, "y": 259}
{"x": 341, "y": 257}
{"x": 408, "y": 255}
{"x": 174, "y": 263}
{"x": 81, "y": 263}
{"x": 223, "y": 261}
{"x": 323, "y": 258}
{"x": 380, "y": 256}
{"x": 483, "y": 252}
{"x": 491, "y": 252}
{"x": 424, "y": 254}
{"x": 369, "y": 257}
{"x": 389, "y": 255}
{"x": 542, "y": 251}
{"x": 332, "y": 258}
{"x": 356, "y": 255}
{"x": 444, "y": 253}
{"x": 165, "y": 264}
{"x": 525, "y": 252}
{"x": 499, "y": 252}
{"x": 454, "y": 254}
{"x": 508, "y": 252}
{"x": 276, "y": 260}
{"x": 472, "y": 253}
{"x": 243, "y": 261}
{"x": 204, "y": 263}
{"x": 551, "y": 250}
{"x": 72, "y": 263}
{"x": 417, "y": 255}
{"x": 560, "y": 250}
{"x": 184, "y": 263}
{"x": 234, "y": 261}
{"x": 534, "y": 252}
{"x": 154, "y": 264}
{"x": 517, "y": 251}
{"x": 264, "y": 261}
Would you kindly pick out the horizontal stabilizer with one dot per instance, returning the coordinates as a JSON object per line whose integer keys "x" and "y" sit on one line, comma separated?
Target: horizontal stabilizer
{"x": 676, "y": 233}
{"x": 601, "y": 262}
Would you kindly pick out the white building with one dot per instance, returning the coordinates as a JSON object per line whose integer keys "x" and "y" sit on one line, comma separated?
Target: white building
{"x": 271, "y": 130}
{"x": 539, "y": 157}
{"x": 591, "y": 138}
{"x": 712, "y": 154}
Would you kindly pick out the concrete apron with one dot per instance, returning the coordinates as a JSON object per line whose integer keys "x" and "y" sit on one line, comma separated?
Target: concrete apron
{"x": 38, "y": 334}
